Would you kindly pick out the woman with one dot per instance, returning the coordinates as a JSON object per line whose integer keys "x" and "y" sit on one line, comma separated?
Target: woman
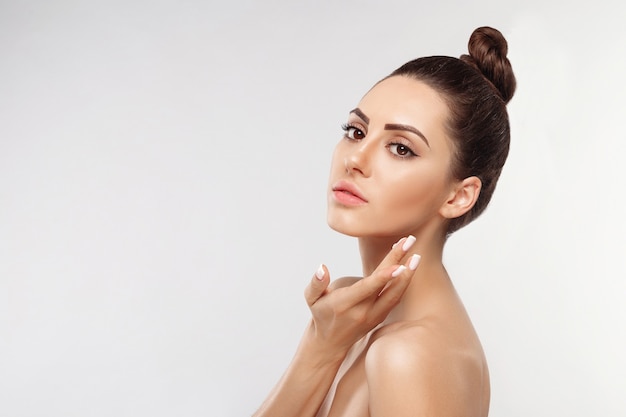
{"x": 420, "y": 158}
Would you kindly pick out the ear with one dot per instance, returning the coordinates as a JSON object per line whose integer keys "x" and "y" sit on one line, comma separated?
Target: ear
{"x": 462, "y": 198}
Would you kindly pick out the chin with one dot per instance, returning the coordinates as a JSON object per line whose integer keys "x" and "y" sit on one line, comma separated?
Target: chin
{"x": 346, "y": 232}
{"x": 353, "y": 228}
{"x": 354, "y": 225}
{"x": 346, "y": 225}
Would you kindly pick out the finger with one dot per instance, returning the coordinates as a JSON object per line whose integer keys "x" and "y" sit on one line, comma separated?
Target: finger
{"x": 376, "y": 282}
{"x": 390, "y": 297}
{"x": 393, "y": 292}
{"x": 367, "y": 287}
{"x": 397, "y": 252}
{"x": 318, "y": 285}
{"x": 411, "y": 264}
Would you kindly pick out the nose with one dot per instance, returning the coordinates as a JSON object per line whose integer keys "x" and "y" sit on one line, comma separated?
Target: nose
{"x": 358, "y": 158}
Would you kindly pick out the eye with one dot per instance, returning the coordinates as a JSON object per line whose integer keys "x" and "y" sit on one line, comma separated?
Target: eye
{"x": 353, "y": 132}
{"x": 401, "y": 150}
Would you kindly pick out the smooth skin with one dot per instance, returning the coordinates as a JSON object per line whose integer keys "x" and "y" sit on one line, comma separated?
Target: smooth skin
{"x": 382, "y": 345}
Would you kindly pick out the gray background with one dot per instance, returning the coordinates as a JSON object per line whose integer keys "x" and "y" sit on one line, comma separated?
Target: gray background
{"x": 163, "y": 167}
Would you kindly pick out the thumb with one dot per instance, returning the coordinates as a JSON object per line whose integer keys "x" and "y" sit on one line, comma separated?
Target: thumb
{"x": 318, "y": 285}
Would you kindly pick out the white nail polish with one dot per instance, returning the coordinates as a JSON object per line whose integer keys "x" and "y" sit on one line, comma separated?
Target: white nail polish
{"x": 408, "y": 243}
{"x": 414, "y": 262}
{"x": 398, "y": 271}
{"x": 319, "y": 274}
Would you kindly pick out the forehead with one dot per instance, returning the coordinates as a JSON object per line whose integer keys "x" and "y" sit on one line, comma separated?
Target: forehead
{"x": 404, "y": 100}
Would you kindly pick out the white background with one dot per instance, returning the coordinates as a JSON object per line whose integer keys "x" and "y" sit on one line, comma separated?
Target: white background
{"x": 163, "y": 167}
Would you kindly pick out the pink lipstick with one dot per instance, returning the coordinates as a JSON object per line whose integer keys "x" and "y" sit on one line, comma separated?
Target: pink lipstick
{"x": 348, "y": 194}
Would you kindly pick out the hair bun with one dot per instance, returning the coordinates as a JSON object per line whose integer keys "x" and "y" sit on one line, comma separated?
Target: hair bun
{"x": 487, "y": 52}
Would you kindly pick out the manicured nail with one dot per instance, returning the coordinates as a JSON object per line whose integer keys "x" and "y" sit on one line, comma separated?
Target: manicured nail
{"x": 398, "y": 271}
{"x": 414, "y": 262}
{"x": 410, "y": 240}
{"x": 319, "y": 274}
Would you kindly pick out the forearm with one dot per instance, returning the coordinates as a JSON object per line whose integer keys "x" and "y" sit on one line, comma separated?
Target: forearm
{"x": 304, "y": 385}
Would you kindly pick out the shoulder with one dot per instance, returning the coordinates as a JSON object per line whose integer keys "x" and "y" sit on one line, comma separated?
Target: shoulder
{"x": 409, "y": 351}
{"x": 415, "y": 370}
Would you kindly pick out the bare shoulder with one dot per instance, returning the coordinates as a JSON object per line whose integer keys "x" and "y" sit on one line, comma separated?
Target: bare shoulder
{"x": 420, "y": 346}
{"x": 416, "y": 368}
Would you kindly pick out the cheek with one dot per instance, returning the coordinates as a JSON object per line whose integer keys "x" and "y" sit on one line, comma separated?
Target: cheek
{"x": 416, "y": 193}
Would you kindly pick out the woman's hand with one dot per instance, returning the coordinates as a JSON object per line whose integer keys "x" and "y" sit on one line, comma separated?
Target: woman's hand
{"x": 341, "y": 316}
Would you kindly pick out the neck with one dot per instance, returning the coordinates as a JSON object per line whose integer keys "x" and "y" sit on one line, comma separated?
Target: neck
{"x": 429, "y": 275}
{"x": 374, "y": 249}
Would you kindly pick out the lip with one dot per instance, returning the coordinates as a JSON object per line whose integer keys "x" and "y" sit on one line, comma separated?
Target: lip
{"x": 348, "y": 194}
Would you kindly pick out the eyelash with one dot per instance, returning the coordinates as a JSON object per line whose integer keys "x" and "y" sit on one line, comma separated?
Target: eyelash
{"x": 410, "y": 154}
{"x": 346, "y": 128}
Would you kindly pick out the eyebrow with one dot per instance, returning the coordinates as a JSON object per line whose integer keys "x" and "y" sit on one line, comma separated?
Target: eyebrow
{"x": 408, "y": 129}
{"x": 362, "y": 115}
{"x": 392, "y": 126}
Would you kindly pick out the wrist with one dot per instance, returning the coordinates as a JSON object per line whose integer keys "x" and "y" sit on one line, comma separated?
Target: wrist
{"x": 318, "y": 352}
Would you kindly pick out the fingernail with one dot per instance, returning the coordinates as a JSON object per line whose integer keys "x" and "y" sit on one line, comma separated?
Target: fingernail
{"x": 414, "y": 262}
{"x": 319, "y": 274}
{"x": 398, "y": 271}
{"x": 410, "y": 240}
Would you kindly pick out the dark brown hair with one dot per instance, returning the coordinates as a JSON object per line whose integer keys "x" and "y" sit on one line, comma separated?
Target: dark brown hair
{"x": 476, "y": 88}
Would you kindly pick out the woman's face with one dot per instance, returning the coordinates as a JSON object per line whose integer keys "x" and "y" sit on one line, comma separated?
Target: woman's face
{"x": 390, "y": 173}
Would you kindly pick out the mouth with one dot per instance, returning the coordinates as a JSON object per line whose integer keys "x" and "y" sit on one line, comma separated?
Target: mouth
{"x": 348, "y": 194}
